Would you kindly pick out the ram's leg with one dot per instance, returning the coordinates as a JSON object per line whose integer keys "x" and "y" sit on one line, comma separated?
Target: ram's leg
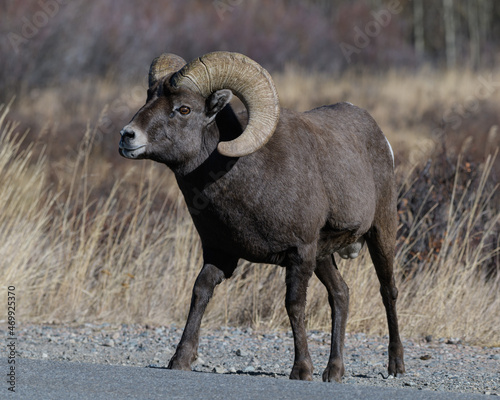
{"x": 381, "y": 242}
{"x": 297, "y": 278}
{"x": 338, "y": 297}
{"x": 209, "y": 277}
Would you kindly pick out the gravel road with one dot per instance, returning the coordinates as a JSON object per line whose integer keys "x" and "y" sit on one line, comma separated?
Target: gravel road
{"x": 435, "y": 364}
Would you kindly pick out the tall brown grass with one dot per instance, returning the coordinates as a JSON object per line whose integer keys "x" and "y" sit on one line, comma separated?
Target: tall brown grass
{"x": 83, "y": 239}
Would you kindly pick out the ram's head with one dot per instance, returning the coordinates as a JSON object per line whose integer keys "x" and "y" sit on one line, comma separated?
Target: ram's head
{"x": 183, "y": 99}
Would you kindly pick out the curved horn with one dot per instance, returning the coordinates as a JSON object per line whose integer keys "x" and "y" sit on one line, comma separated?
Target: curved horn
{"x": 164, "y": 65}
{"x": 249, "y": 81}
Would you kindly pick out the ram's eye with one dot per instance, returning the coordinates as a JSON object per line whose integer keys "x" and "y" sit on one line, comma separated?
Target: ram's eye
{"x": 184, "y": 110}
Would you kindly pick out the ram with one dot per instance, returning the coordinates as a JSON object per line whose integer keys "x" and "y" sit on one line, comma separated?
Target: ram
{"x": 271, "y": 186}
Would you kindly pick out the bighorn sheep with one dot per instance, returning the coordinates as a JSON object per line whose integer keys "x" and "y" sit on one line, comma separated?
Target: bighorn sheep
{"x": 283, "y": 188}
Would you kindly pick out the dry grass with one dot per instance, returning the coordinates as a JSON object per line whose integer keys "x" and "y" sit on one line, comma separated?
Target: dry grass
{"x": 410, "y": 106}
{"x": 83, "y": 240}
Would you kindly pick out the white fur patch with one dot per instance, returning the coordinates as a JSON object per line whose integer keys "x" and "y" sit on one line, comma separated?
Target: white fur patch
{"x": 352, "y": 250}
{"x": 390, "y": 148}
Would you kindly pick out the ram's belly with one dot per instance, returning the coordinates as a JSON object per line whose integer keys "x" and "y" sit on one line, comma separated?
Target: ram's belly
{"x": 253, "y": 236}
{"x": 346, "y": 242}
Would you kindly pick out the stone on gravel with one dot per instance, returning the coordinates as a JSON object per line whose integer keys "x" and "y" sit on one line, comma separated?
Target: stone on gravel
{"x": 109, "y": 343}
{"x": 241, "y": 353}
{"x": 219, "y": 370}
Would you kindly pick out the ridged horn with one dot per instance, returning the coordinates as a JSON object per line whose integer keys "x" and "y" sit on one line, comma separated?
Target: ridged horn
{"x": 249, "y": 81}
{"x": 164, "y": 65}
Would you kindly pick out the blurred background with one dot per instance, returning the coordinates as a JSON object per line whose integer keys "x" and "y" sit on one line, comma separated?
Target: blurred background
{"x": 50, "y": 42}
{"x": 58, "y": 55}
{"x": 73, "y": 73}
{"x": 65, "y": 61}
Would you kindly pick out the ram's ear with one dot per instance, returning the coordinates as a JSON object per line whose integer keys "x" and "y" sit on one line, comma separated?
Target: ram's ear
{"x": 217, "y": 101}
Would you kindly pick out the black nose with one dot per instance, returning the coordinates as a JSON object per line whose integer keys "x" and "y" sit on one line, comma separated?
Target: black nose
{"x": 127, "y": 133}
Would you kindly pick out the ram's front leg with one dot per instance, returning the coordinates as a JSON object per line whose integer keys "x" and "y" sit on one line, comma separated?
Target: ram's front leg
{"x": 209, "y": 277}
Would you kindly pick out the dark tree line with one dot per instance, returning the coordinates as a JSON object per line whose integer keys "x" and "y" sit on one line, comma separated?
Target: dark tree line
{"x": 447, "y": 32}
{"x": 49, "y": 42}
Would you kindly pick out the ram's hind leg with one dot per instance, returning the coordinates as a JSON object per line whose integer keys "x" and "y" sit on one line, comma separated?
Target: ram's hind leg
{"x": 297, "y": 278}
{"x": 381, "y": 243}
{"x": 338, "y": 297}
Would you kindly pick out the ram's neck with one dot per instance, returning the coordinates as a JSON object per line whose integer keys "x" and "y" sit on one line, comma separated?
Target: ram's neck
{"x": 228, "y": 124}
{"x": 210, "y": 165}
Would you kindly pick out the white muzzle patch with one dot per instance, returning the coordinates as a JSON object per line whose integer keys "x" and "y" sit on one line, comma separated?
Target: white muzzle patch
{"x": 133, "y": 142}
